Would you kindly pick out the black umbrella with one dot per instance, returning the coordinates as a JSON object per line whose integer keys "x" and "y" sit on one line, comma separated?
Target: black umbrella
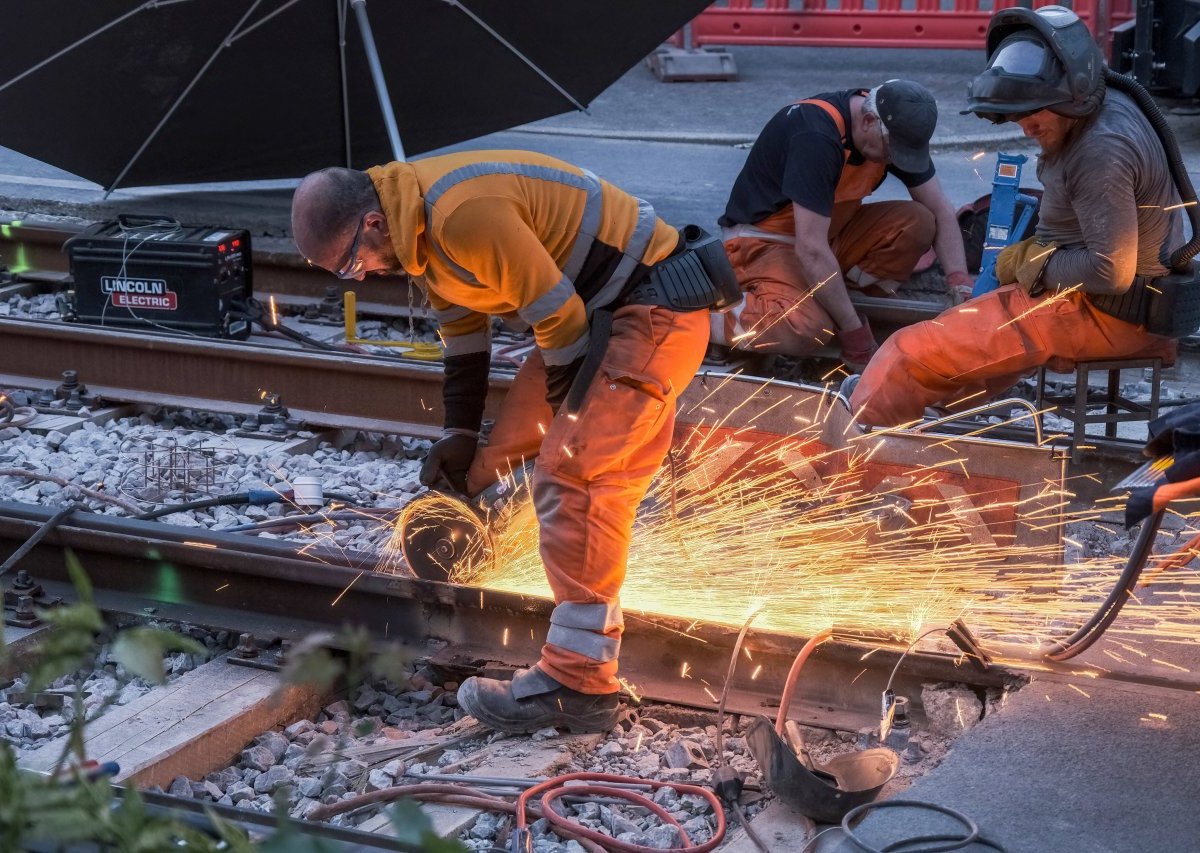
{"x": 135, "y": 93}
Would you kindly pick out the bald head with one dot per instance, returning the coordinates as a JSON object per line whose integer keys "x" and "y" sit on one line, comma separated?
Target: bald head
{"x": 326, "y": 208}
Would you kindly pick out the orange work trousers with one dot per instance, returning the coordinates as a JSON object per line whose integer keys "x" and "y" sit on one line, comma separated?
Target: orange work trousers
{"x": 592, "y": 471}
{"x": 885, "y": 239}
{"x": 983, "y": 347}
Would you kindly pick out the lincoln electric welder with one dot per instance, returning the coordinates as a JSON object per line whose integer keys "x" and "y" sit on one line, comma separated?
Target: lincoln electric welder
{"x": 152, "y": 272}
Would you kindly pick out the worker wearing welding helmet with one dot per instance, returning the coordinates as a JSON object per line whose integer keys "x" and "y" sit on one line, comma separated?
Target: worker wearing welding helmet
{"x": 1105, "y": 222}
{"x": 799, "y": 234}
{"x": 590, "y": 269}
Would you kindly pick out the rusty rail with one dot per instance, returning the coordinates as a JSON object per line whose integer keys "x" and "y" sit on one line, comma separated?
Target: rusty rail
{"x": 322, "y": 389}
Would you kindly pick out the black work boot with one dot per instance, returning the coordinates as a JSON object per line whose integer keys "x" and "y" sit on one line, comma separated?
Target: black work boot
{"x": 533, "y": 701}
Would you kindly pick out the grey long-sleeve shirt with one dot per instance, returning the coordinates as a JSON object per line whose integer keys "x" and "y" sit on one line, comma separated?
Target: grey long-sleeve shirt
{"x": 1104, "y": 202}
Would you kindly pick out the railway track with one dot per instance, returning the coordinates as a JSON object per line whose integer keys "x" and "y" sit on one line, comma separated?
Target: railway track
{"x": 276, "y": 591}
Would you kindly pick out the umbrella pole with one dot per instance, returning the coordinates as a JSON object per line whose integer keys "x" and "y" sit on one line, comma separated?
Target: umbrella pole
{"x": 385, "y": 102}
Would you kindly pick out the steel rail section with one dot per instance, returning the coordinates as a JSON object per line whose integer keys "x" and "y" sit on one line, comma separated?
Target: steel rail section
{"x": 323, "y": 389}
{"x": 268, "y": 586}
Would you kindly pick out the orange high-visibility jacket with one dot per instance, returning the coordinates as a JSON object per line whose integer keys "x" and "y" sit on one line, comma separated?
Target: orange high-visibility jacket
{"x": 516, "y": 233}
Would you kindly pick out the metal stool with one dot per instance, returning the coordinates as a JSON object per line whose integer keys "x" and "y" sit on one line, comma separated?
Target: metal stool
{"x": 1117, "y": 409}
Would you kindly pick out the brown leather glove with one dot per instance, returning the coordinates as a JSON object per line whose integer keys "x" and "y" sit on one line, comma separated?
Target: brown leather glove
{"x": 1022, "y": 263}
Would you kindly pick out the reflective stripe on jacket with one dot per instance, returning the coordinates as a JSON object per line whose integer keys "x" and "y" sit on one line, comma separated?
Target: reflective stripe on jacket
{"x": 515, "y": 233}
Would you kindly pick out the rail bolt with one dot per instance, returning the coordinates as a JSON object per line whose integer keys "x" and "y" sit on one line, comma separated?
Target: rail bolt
{"x": 24, "y": 611}
{"x": 247, "y": 647}
{"x": 23, "y": 582}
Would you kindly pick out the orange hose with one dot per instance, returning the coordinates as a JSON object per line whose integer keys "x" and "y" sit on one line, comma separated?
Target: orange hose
{"x": 785, "y": 701}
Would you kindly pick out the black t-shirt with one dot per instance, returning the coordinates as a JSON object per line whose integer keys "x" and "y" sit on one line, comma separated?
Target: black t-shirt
{"x": 798, "y": 157}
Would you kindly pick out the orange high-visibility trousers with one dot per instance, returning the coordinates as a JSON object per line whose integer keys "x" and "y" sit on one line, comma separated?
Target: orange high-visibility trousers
{"x": 780, "y": 315}
{"x": 983, "y": 347}
{"x": 592, "y": 471}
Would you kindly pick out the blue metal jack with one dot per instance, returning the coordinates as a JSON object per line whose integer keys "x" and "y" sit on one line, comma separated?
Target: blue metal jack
{"x": 1008, "y": 217}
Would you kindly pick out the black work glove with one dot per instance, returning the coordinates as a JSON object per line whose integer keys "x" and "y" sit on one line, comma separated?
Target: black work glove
{"x": 558, "y": 381}
{"x": 450, "y": 458}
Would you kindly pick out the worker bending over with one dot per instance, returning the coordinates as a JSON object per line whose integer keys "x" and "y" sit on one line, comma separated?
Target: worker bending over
{"x": 1105, "y": 224}
{"x": 798, "y": 233}
{"x": 594, "y": 272}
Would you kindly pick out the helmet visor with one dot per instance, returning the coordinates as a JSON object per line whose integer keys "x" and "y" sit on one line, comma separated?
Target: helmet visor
{"x": 1022, "y": 77}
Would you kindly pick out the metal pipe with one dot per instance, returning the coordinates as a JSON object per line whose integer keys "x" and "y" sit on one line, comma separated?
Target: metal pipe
{"x": 381, "y": 89}
{"x": 986, "y": 407}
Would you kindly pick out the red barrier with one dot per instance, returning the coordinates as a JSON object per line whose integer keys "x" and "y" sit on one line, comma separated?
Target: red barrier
{"x": 875, "y": 23}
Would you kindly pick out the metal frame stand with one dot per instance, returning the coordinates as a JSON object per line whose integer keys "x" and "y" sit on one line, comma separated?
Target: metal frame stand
{"x": 1117, "y": 409}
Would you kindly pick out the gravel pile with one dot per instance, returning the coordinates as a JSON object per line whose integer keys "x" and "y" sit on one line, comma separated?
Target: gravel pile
{"x": 28, "y": 721}
{"x": 118, "y": 459}
{"x": 352, "y": 746}
{"x": 43, "y": 306}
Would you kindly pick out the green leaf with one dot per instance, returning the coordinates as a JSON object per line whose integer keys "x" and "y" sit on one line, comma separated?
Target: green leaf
{"x": 141, "y": 650}
{"x": 391, "y": 662}
{"x": 309, "y": 662}
{"x": 79, "y": 578}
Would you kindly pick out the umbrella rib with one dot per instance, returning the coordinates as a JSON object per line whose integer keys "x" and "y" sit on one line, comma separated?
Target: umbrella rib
{"x": 148, "y": 4}
{"x": 262, "y": 21}
{"x": 225, "y": 42}
{"x": 490, "y": 31}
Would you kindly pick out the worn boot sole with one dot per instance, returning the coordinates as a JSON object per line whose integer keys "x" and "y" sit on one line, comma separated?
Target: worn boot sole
{"x": 600, "y": 720}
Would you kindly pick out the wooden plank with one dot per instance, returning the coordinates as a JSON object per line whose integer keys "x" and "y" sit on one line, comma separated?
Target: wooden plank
{"x": 778, "y": 825}
{"x": 191, "y": 727}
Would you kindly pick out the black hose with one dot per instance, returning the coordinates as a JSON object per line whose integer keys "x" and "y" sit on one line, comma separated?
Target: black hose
{"x": 942, "y": 842}
{"x": 230, "y": 500}
{"x": 1183, "y": 183}
{"x": 1122, "y": 591}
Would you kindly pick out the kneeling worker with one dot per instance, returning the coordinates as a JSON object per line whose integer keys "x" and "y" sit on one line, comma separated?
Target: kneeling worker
{"x": 1105, "y": 224}
{"x": 618, "y": 311}
{"x": 798, "y": 233}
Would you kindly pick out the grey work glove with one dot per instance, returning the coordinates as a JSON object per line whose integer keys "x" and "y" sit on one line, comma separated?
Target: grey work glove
{"x": 449, "y": 459}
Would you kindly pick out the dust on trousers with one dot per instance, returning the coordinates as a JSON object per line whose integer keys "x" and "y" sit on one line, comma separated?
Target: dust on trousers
{"x": 592, "y": 471}
{"x": 884, "y": 239}
{"x": 983, "y": 347}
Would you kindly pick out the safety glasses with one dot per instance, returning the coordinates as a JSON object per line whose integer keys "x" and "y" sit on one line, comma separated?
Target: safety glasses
{"x": 354, "y": 264}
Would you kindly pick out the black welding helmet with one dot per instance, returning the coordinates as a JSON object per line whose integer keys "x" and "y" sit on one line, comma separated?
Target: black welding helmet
{"x": 1037, "y": 60}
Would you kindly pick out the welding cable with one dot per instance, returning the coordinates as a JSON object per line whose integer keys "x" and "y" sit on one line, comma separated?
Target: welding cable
{"x": 1122, "y": 591}
{"x": 940, "y": 843}
{"x": 12, "y": 415}
{"x": 558, "y": 787}
{"x": 366, "y": 512}
{"x": 904, "y": 654}
{"x": 254, "y": 497}
{"x": 789, "y": 687}
{"x": 449, "y": 794}
{"x": 732, "y": 797}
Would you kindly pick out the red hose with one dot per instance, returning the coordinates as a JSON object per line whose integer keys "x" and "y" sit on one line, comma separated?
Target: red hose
{"x": 551, "y": 789}
{"x": 785, "y": 701}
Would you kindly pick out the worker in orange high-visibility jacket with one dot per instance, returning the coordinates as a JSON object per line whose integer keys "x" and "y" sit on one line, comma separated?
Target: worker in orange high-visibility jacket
{"x": 798, "y": 233}
{"x": 1106, "y": 221}
{"x": 529, "y": 237}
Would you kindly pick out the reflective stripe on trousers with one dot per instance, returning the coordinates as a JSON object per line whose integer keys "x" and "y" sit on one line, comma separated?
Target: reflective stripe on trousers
{"x": 592, "y": 472}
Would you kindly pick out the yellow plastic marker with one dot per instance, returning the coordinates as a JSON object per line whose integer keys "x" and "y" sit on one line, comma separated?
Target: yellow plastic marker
{"x": 420, "y": 350}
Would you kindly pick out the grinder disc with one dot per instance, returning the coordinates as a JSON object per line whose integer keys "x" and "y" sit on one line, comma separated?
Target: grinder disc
{"x": 444, "y": 539}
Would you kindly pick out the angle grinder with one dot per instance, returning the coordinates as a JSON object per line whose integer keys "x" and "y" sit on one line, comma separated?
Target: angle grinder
{"x": 446, "y": 536}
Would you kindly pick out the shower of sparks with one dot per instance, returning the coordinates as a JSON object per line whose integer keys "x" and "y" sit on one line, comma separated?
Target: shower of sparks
{"x": 820, "y": 536}
{"x": 274, "y": 311}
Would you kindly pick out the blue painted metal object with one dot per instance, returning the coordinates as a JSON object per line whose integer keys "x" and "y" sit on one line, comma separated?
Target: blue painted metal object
{"x": 1009, "y": 214}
